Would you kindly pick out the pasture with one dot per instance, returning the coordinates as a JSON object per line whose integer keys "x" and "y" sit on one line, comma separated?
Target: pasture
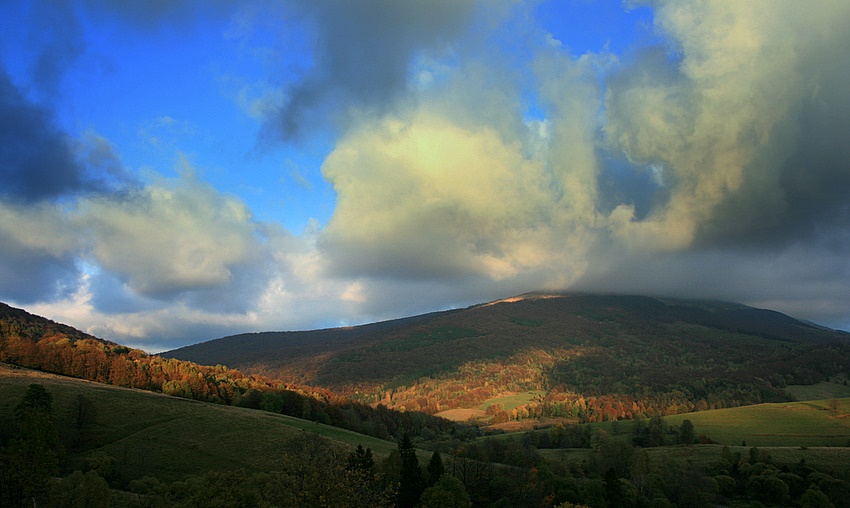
{"x": 142, "y": 433}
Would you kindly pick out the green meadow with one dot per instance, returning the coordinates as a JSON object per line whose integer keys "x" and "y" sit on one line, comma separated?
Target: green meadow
{"x": 143, "y": 433}
{"x": 817, "y": 431}
{"x": 811, "y": 423}
{"x": 818, "y": 391}
{"x": 508, "y": 402}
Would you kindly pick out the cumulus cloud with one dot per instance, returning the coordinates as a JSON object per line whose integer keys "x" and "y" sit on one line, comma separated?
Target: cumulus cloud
{"x": 424, "y": 198}
{"x": 169, "y": 237}
{"x": 37, "y": 253}
{"x": 461, "y": 186}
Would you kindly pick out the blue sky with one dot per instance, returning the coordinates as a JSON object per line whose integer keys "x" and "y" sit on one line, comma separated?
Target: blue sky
{"x": 176, "y": 171}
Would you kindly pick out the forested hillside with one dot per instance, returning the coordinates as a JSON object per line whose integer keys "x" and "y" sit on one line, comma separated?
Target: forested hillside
{"x": 34, "y": 342}
{"x": 585, "y": 357}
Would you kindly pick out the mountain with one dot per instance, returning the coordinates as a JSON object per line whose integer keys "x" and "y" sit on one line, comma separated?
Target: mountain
{"x": 591, "y": 357}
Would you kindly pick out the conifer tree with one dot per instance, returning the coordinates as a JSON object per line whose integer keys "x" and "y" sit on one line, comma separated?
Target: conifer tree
{"x": 33, "y": 457}
{"x": 361, "y": 460}
{"x": 410, "y": 485}
{"x": 435, "y": 469}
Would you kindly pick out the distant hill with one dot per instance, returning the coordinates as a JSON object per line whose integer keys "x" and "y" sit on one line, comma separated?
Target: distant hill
{"x": 591, "y": 357}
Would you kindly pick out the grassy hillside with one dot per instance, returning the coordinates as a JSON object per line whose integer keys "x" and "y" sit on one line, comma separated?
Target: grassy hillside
{"x": 167, "y": 437}
{"x": 811, "y": 423}
{"x": 815, "y": 423}
{"x": 822, "y": 390}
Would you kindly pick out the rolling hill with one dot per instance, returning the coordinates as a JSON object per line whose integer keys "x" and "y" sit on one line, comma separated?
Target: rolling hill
{"x": 167, "y": 437}
{"x": 590, "y": 357}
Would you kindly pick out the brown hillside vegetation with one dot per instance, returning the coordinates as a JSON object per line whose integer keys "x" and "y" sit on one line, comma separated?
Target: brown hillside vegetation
{"x": 595, "y": 357}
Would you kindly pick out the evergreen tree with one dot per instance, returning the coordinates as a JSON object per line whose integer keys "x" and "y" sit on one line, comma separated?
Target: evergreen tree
{"x": 33, "y": 457}
{"x": 361, "y": 460}
{"x": 435, "y": 469}
{"x": 410, "y": 485}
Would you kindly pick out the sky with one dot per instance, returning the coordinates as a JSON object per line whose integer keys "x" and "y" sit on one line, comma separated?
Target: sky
{"x": 176, "y": 171}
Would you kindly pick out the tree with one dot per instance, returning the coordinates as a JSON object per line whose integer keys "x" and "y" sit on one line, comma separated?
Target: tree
{"x": 834, "y": 405}
{"x": 435, "y": 469}
{"x": 33, "y": 457}
{"x": 768, "y": 489}
{"x": 84, "y": 416}
{"x": 447, "y": 492}
{"x": 814, "y": 498}
{"x": 410, "y": 484}
{"x": 686, "y": 432}
{"x": 361, "y": 460}
{"x": 84, "y": 490}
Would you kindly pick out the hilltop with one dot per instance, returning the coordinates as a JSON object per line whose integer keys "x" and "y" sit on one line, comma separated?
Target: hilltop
{"x": 589, "y": 357}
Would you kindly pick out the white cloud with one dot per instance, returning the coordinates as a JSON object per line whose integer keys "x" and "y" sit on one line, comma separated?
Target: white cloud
{"x": 169, "y": 237}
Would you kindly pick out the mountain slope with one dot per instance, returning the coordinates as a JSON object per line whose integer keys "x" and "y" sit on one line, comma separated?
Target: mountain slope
{"x": 630, "y": 354}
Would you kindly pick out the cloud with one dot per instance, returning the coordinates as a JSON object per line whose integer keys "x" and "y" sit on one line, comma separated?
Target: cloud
{"x": 688, "y": 170}
{"x": 423, "y": 198}
{"x": 362, "y": 56}
{"x": 57, "y": 34}
{"x": 170, "y": 237}
{"x": 36, "y": 162}
{"x": 743, "y": 116}
{"x": 461, "y": 186}
{"x": 36, "y": 254}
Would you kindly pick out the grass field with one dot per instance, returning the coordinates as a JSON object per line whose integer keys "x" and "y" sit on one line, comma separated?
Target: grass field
{"x": 511, "y": 401}
{"x": 818, "y": 391}
{"x": 811, "y": 423}
{"x": 794, "y": 424}
{"x": 168, "y": 437}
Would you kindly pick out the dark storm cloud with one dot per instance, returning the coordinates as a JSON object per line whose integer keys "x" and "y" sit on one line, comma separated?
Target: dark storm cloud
{"x": 36, "y": 161}
{"x": 39, "y": 162}
{"x": 805, "y": 198}
{"x": 363, "y": 53}
{"x": 809, "y": 196}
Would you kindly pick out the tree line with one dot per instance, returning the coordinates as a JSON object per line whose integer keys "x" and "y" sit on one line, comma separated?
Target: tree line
{"x": 104, "y": 362}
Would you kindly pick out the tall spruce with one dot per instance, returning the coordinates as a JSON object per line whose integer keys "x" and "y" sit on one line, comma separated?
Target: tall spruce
{"x": 435, "y": 469}
{"x": 32, "y": 457}
{"x": 410, "y": 485}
